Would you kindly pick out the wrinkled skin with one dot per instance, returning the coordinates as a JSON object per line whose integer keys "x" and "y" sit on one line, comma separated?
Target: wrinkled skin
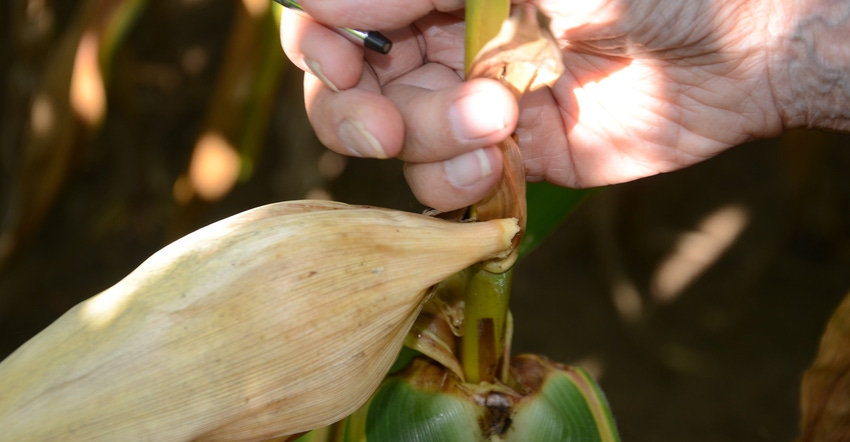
{"x": 650, "y": 86}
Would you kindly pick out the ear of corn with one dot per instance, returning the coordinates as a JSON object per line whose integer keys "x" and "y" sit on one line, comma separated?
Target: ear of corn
{"x": 480, "y": 397}
{"x": 275, "y": 321}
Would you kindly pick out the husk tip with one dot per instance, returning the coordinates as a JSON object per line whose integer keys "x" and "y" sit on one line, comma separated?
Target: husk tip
{"x": 510, "y": 228}
{"x": 503, "y": 259}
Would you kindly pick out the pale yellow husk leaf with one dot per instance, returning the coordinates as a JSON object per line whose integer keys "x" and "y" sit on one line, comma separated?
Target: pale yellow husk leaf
{"x": 274, "y": 321}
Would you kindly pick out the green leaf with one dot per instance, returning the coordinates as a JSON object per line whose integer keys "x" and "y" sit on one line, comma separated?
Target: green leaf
{"x": 548, "y": 206}
{"x": 318, "y": 435}
{"x": 566, "y": 405}
{"x": 405, "y": 355}
{"x": 401, "y": 412}
{"x": 560, "y": 413}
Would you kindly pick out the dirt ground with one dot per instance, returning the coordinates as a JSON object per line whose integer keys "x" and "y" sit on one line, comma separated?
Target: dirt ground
{"x": 697, "y": 298}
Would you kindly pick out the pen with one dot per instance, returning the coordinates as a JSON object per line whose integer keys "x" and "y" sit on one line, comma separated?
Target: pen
{"x": 373, "y": 40}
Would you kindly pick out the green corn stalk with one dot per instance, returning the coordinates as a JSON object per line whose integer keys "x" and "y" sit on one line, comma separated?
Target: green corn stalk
{"x": 488, "y": 399}
{"x": 483, "y": 19}
{"x": 487, "y": 294}
{"x": 485, "y": 315}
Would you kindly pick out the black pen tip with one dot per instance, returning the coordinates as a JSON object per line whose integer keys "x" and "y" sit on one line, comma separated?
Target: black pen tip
{"x": 377, "y": 42}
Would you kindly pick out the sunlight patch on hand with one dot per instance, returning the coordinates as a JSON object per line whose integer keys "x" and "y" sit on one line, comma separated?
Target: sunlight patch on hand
{"x": 612, "y": 115}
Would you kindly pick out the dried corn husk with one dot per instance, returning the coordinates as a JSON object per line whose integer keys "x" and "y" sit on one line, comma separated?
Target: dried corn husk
{"x": 275, "y": 321}
{"x": 825, "y": 390}
{"x": 524, "y": 57}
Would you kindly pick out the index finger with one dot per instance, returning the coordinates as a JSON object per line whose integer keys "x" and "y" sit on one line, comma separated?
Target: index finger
{"x": 375, "y": 14}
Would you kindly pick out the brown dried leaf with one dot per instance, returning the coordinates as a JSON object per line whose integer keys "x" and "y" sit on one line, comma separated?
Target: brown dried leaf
{"x": 523, "y": 56}
{"x": 435, "y": 331}
{"x": 825, "y": 392}
{"x": 507, "y": 200}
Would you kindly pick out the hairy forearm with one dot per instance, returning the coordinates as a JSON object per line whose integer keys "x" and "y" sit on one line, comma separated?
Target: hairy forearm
{"x": 810, "y": 66}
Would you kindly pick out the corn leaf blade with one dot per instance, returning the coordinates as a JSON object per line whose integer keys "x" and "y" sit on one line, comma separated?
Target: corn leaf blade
{"x": 401, "y": 412}
{"x": 565, "y": 404}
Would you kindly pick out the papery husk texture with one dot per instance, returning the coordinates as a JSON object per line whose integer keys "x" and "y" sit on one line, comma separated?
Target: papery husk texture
{"x": 274, "y": 321}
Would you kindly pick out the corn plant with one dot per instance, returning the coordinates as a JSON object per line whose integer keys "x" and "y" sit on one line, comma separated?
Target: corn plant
{"x": 367, "y": 323}
{"x": 463, "y": 385}
{"x": 286, "y": 317}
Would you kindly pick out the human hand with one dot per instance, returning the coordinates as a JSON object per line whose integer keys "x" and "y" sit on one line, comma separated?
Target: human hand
{"x": 650, "y": 86}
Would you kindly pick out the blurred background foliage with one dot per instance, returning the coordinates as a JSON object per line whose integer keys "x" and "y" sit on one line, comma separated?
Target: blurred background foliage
{"x": 697, "y": 298}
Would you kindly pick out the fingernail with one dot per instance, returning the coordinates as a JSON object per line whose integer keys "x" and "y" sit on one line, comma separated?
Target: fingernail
{"x": 469, "y": 168}
{"x": 359, "y": 141}
{"x": 477, "y": 115}
{"x": 317, "y": 71}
